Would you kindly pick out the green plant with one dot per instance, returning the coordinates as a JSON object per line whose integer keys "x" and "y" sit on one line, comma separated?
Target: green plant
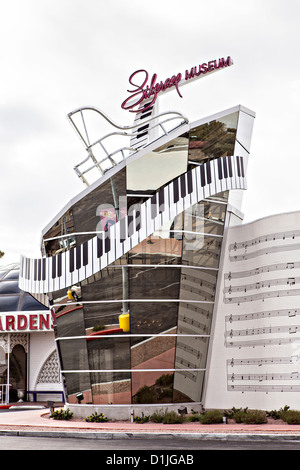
{"x": 193, "y": 417}
{"x": 61, "y": 414}
{"x": 239, "y": 416}
{"x": 231, "y": 414}
{"x": 157, "y": 416}
{"x": 142, "y": 419}
{"x": 167, "y": 417}
{"x": 291, "y": 416}
{"x": 255, "y": 417}
{"x": 96, "y": 418}
{"x": 98, "y": 327}
{"x": 274, "y": 414}
{"x": 145, "y": 395}
{"x": 164, "y": 380}
{"x": 211, "y": 417}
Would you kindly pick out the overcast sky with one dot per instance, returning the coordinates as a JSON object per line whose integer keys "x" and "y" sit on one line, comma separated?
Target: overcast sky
{"x": 57, "y": 55}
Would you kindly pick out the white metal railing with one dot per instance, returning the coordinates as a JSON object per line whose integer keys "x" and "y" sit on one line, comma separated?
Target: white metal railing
{"x": 110, "y": 159}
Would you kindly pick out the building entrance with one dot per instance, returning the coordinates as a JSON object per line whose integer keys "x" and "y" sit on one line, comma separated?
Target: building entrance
{"x": 17, "y": 373}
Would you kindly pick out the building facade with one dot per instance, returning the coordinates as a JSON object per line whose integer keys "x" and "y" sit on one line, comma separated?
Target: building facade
{"x": 255, "y": 350}
{"x": 29, "y": 365}
{"x": 131, "y": 265}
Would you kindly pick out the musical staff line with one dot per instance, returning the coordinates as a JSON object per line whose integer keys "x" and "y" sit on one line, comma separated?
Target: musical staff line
{"x": 263, "y": 361}
{"x": 261, "y": 270}
{"x": 265, "y": 238}
{"x": 288, "y": 312}
{"x": 265, "y": 251}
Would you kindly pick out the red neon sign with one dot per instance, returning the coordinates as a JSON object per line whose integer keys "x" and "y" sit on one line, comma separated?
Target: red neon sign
{"x": 144, "y": 90}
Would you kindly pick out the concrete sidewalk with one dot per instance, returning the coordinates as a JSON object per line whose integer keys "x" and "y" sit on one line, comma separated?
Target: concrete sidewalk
{"x": 34, "y": 420}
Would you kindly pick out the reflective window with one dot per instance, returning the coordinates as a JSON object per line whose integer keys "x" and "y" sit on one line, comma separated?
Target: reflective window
{"x": 9, "y": 287}
{"x": 9, "y": 303}
{"x": 14, "y": 274}
{"x": 157, "y": 168}
{"x": 213, "y": 139}
{"x": 29, "y": 303}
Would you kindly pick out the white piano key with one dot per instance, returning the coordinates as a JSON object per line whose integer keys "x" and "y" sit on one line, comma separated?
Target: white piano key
{"x": 172, "y": 204}
{"x": 165, "y": 216}
{"x": 68, "y": 273}
{"x": 118, "y": 243}
{"x": 200, "y": 192}
{"x": 81, "y": 270}
{"x": 143, "y": 229}
{"x": 194, "y": 196}
{"x": 179, "y": 203}
{"x": 187, "y": 198}
{"x": 135, "y": 236}
{"x": 150, "y": 223}
{"x": 217, "y": 181}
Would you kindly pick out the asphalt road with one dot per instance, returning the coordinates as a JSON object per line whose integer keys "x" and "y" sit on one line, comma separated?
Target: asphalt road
{"x": 172, "y": 446}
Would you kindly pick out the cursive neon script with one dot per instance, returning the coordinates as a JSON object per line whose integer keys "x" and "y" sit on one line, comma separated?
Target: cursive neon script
{"x": 149, "y": 90}
{"x": 139, "y": 93}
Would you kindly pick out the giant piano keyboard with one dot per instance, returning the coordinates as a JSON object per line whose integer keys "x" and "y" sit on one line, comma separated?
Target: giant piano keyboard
{"x": 65, "y": 269}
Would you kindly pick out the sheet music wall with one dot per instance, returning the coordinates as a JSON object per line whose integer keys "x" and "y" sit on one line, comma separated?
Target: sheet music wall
{"x": 255, "y": 359}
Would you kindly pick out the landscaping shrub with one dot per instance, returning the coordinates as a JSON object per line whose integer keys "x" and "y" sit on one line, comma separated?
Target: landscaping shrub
{"x": 231, "y": 414}
{"x": 96, "y": 418}
{"x": 255, "y": 417}
{"x": 164, "y": 380}
{"x": 167, "y": 417}
{"x": 145, "y": 395}
{"x": 61, "y": 414}
{"x": 142, "y": 419}
{"x": 291, "y": 416}
{"x": 193, "y": 417}
{"x": 211, "y": 417}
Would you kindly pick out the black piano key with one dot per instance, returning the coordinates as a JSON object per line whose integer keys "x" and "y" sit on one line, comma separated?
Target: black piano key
{"x": 78, "y": 257}
{"x": 71, "y": 262}
{"x": 27, "y": 269}
{"x": 238, "y": 166}
{"x": 59, "y": 261}
{"x": 44, "y": 269}
{"x": 106, "y": 243}
{"x": 122, "y": 229}
{"x": 230, "y": 166}
{"x": 225, "y": 167}
{"x": 35, "y": 270}
{"x": 146, "y": 115}
{"x": 130, "y": 225}
{"x": 220, "y": 172}
{"x": 208, "y": 172}
{"x": 39, "y": 270}
{"x": 175, "y": 190}
{"x": 85, "y": 254}
{"x": 189, "y": 182}
{"x": 182, "y": 185}
{"x": 154, "y": 206}
{"x": 138, "y": 218}
{"x": 99, "y": 245}
{"x": 53, "y": 267}
{"x": 161, "y": 200}
{"x": 242, "y": 166}
{"x": 202, "y": 175}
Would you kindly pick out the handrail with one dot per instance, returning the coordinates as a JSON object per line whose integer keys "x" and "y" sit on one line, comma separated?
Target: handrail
{"x": 110, "y": 121}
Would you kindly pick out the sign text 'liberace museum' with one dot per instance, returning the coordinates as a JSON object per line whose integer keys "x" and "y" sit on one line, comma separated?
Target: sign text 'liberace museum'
{"x": 145, "y": 90}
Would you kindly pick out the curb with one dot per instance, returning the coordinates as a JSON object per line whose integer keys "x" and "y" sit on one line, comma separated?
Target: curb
{"x": 153, "y": 435}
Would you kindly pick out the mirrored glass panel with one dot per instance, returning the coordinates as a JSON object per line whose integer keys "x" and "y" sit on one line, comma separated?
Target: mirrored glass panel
{"x": 213, "y": 139}
{"x": 155, "y": 169}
